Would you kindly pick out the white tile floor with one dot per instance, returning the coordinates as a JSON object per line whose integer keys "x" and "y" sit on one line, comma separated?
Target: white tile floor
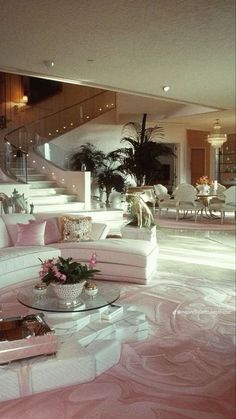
{"x": 202, "y": 254}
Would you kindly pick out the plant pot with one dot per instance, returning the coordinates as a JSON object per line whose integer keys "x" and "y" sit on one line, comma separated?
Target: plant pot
{"x": 68, "y": 294}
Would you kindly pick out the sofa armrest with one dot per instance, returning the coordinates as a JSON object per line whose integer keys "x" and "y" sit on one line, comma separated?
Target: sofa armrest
{"x": 99, "y": 231}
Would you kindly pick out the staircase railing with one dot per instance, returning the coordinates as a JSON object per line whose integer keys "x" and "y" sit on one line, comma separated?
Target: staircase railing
{"x": 16, "y": 163}
{"x": 55, "y": 154}
{"x": 34, "y": 135}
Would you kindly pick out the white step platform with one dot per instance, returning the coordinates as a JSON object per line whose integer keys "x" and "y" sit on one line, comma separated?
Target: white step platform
{"x": 87, "y": 347}
{"x": 46, "y": 191}
{"x": 60, "y": 208}
{"x": 52, "y": 199}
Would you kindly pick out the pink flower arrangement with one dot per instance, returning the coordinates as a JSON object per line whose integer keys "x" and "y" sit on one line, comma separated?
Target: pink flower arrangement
{"x": 67, "y": 271}
{"x": 204, "y": 180}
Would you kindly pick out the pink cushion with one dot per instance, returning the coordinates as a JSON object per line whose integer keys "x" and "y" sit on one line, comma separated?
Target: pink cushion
{"x": 52, "y": 231}
{"x": 31, "y": 234}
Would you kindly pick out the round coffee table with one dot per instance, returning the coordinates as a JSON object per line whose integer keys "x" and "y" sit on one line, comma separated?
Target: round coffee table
{"x": 88, "y": 342}
{"x": 47, "y": 301}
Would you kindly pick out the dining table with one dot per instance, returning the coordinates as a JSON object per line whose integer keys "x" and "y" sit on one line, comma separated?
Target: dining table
{"x": 205, "y": 198}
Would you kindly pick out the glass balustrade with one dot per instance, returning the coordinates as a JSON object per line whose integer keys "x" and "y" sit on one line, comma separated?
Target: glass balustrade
{"x": 37, "y": 135}
{"x": 16, "y": 163}
{"x": 55, "y": 154}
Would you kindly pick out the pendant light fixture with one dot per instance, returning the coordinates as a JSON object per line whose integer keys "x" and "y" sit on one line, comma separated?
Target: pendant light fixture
{"x": 216, "y": 138}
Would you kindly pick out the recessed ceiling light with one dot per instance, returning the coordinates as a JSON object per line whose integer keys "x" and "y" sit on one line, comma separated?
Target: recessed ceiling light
{"x": 166, "y": 88}
{"x": 49, "y": 63}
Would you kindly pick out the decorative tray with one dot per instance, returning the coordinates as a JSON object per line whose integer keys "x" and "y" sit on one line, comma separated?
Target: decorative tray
{"x": 25, "y": 336}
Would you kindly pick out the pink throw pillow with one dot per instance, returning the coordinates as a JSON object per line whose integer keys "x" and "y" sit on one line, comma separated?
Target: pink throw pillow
{"x": 31, "y": 234}
{"x": 52, "y": 231}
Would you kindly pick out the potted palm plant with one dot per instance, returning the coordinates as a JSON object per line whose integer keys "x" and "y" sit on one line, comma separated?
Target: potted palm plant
{"x": 141, "y": 158}
{"x": 103, "y": 167}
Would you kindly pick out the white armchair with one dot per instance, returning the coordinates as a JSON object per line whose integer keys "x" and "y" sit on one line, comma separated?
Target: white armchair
{"x": 148, "y": 196}
{"x": 163, "y": 199}
{"x": 161, "y": 192}
{"x": 186, "y": 200}
{"x": 219, "y": 193}
{"x": 228, "y": 205}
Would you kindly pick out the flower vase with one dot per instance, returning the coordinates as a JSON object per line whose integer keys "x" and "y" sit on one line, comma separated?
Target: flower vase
{"x": 204, "y": 189}
{"x": 68, "y": 294}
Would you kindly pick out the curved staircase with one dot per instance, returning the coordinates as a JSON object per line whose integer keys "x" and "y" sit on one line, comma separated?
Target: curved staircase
{"x": 46, "y": 195}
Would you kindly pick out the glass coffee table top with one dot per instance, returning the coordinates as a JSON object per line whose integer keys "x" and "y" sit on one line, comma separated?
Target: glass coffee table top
{"x": 47, "y": 301}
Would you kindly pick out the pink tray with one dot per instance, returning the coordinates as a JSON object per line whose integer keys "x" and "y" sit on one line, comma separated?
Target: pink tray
{"x": 24, "y": 337}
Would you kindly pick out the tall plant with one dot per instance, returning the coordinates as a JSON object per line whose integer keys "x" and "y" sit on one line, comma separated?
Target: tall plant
{"x": 102, "y": 166}
{"x": 141, "y": 159}
{"x": 89, "y": 156}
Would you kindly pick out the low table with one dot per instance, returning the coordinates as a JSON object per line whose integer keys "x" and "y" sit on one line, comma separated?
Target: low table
{"x": 88, "y": 343}
{"x": 48, "y": 302}
{"x": 205, "y": 199}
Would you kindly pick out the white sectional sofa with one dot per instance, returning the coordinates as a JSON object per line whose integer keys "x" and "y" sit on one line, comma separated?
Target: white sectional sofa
{"x": 118, "y": 259}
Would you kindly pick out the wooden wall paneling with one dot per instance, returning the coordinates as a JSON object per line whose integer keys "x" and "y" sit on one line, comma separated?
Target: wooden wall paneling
{"x": 200, "y": 151}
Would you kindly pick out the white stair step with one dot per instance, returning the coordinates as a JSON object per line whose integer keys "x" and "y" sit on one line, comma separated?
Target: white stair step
{"x": 46, "y": 191}
{"x": 72, "y": 206}
{"x": 46, "y": 195}
{"x": 54, "y": 199}
{"x": 43, "y": 184}
{"x": 30, "y": 170}
{"x": 35, "y": 177}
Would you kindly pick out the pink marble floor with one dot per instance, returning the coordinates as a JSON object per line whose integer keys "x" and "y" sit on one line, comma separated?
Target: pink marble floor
{"x": 203, "y": 223}
{"x": 186, "y": 369}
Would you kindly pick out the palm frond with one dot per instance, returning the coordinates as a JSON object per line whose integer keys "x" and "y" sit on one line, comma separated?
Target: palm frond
{"x": 134, "y": 143}
{"x": 87, "y": 154}
{"x": 156, "y": 133}
{"x": 131, "y": 130}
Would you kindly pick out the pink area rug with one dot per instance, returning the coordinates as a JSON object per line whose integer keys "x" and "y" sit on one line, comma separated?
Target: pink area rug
{"x": 211, "y": 224}
{"x": 184, "y": 370}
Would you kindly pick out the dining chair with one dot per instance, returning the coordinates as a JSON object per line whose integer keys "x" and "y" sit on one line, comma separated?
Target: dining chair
{"x": 160, "y": 190}
{"x": 228, "y": 205}
{"x": 184, "y": 186}
{"x": 186, "y": 200}
{"x": 163, "y": 198}
{"x": 219, "y": 193}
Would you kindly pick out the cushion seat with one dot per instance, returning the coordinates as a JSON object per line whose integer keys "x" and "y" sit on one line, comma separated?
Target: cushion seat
{"x": 121, "y": 259}
{"x": 120, "y": 251}
{"x": 23, "y": 261}
{"x": 118, "y": 259}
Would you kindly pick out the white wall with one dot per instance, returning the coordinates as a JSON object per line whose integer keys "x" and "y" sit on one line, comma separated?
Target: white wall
{"x": 105, "y": 133}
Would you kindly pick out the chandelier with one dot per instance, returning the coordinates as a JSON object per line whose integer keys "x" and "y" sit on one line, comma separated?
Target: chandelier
{"x": 216, "y": 139}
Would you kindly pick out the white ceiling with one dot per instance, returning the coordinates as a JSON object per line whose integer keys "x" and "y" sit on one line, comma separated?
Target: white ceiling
{"x": 131, "y": 46}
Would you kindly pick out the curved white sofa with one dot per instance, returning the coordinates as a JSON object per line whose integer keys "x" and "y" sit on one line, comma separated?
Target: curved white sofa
{"x": 117, "y": 259}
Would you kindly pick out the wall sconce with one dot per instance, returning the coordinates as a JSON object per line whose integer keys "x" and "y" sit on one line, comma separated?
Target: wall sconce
{"x": 19, "y": 106}
{"x": 25, "y": 99}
